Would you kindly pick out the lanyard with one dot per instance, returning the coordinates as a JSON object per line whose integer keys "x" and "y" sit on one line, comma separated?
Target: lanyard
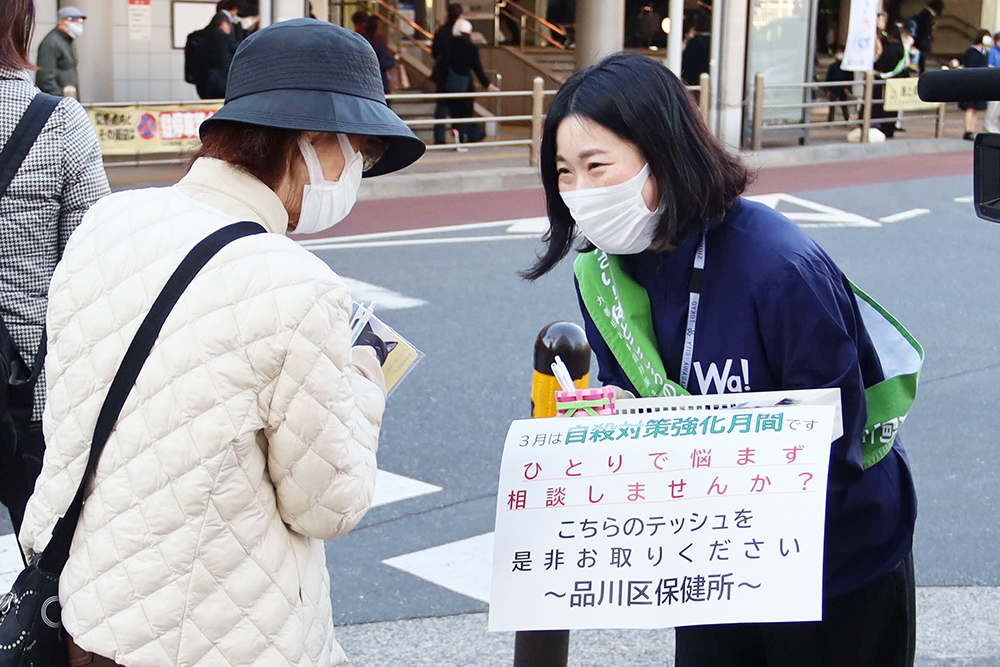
{"x": 694, "y": 300}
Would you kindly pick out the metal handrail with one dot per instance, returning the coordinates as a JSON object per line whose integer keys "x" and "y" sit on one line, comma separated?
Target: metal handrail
{"x": 865, "y": 120}
{"x": 526, "y": 12}
{"x": 524, "y": 27}
{"x": 416, "y": 26}
{"x": 536, "y": 118}
{"x": 413, "y": 40}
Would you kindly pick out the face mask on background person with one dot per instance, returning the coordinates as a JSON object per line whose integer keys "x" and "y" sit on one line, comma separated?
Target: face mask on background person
{"x": 987, "y": 42}
{"x": 615, "y": 218}
{"x": 75, "y": 29}
{"x": 325, "y": 203}
{"x": 249, "y": 21}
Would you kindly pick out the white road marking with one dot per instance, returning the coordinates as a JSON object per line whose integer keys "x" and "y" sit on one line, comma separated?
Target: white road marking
{"x": 529, "y": 226}
{"x": 815, "y": 216}
{"x": 465, "y": 566}
{"x": 389, "y": 488}
{"x": 384, "y": 298}
{"x": 416, "y": 242}
{"x": 967, "y": 199}
{"x": 392, "y": 488}
{"x": 10, "y": 562}
{"x": 818, "y": 215}
{"x": 310, "y": 243}
{"x": 905, "y": 215}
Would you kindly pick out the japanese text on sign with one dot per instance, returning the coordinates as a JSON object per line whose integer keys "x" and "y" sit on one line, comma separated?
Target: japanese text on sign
{"x": 630, "y": 522}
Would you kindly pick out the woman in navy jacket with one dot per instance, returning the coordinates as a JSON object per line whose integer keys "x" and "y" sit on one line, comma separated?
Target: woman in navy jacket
{"x": 628, "y": 162}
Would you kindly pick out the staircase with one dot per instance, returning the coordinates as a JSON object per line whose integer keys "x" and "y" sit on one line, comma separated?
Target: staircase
{"x": 559, "y": 65}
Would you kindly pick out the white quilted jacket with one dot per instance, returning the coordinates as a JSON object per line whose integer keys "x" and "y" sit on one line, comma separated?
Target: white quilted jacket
{"x": 249, "y": 438}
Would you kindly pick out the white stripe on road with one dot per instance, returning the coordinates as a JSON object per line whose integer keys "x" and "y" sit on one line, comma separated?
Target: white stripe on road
{"x": 310, "y": 243}
{"x": 818, "y": 215}
{"x": 416, "y": 242}
{"x": 392, "y": 488}
{"x": 384, "y": 298}
{"x": 465, "y": 566}
{"x": 389, "y": 488}
{"x": 905, "y": 215}
{"x": 968, "y": 199}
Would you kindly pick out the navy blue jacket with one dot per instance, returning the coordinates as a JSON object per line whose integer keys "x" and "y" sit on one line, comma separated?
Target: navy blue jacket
{"x": 777, "y": 313}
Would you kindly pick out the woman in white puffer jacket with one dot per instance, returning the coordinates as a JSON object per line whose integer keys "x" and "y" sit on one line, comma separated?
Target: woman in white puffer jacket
{"x": 250, "y": 434}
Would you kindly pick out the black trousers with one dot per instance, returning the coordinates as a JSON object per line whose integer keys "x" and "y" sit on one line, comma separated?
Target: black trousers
{"x": 871, "y": 627}
{"x": 18, "y": 479}
{"x": 465, "y": 108}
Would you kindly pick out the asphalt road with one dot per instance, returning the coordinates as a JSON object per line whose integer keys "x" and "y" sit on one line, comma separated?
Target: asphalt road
{"x": 476, "y": 320}
{"x": 936, "y": 271}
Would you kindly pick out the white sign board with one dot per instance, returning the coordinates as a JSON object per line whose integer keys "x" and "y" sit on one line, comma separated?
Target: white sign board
{"x": 140, "y": 21}
{"x": 901, "y": 95}
{"x": 662, "y": 520}
{"x": 859, "y": 52}
{"x": 188, "y": 16}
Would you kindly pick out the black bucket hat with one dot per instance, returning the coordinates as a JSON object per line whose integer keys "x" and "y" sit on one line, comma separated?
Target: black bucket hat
{"x": 311, "y": 75}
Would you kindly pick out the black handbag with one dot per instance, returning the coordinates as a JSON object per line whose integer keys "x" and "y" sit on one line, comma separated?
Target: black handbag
{"x": 31, "y": 633}
{"x": 17, "y": 379}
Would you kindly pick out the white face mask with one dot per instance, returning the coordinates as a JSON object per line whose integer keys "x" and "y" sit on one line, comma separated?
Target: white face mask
{"x": 325, "y": 203}
{"x": 75, "y": 29}
{"x": 615, "y": 218}
{"x": 248, "y": 21}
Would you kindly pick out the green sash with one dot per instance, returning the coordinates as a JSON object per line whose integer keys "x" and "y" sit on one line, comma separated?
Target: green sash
{"x": 620, "y": 309}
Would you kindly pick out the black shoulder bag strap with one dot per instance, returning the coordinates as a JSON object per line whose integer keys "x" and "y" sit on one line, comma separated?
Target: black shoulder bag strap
{"x": 11, "y": 157}
{"x": 57, "y": 552}
{"x": 23, "y": 138}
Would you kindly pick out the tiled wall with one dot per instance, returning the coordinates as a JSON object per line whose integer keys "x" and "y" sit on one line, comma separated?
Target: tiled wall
{"x": 148, "y": 71}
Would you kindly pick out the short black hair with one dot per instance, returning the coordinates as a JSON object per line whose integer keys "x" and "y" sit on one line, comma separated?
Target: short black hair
{"x": 454, "y": 12}
{"x": 359, "y": 17}
{"x": 229, "y": 5}
{"x": 643, "y": 102}
{"x": 936, "y": 5}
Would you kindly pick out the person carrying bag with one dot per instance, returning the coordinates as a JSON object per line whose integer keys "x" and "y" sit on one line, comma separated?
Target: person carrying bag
{"x": 30, "y": 625}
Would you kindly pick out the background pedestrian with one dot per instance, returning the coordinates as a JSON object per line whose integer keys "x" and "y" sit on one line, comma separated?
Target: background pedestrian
{"x": 58, "y": 57}
{"x": 59, "y": 180}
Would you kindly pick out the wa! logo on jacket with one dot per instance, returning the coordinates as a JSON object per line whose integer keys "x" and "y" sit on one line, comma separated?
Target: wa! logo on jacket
{"x": 725, "y": 381}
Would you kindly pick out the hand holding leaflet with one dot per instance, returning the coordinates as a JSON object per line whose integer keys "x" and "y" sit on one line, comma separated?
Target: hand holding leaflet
{"x": 401, "y": 355}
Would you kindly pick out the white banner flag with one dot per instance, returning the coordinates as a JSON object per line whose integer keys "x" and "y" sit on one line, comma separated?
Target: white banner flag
{"x": 660, "y": 520}
{"x": 859, "y": 53}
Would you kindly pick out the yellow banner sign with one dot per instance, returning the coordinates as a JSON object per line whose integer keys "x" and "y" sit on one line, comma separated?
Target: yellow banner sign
{"x": 138, "y": 130}
{"x": 901, "y": 95}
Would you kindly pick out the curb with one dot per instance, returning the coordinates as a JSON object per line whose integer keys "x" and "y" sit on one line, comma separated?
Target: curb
{"x": 517, "y": 178}
{"x": 449, "y": 183}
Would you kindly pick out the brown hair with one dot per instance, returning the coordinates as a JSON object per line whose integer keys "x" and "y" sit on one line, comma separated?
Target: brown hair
{"x": 17, "y": 19}
{"x": 263, "y": 152}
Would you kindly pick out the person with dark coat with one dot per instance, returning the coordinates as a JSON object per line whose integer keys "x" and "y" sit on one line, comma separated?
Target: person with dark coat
{"x": 976, "y": 56}
{"x": 697, "y": 51}
{"x": 57, "y": 56}
{"x": 891, "y": 62}
{"x": 440, "y": 48}
{"x": 217, "y": 51}
{"x": 923, "y": 34}
{"x": 836, "y": 73}
{"x": 372, "y": 31}
{"x": 462, "y": 63}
